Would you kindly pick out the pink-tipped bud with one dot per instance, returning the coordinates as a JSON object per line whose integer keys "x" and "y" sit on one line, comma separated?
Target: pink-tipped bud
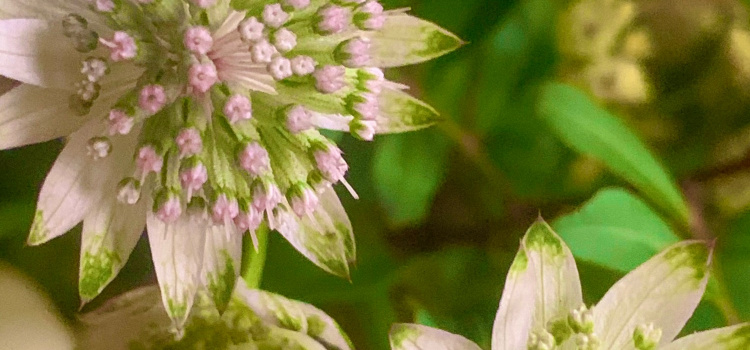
{"x": 148, "y": 160}
{"x": 371, "y": 79}
{"x": 363, "y": 129}
{"x": 198, "y": 40}
{"x": 298, "y": 119}
{"x": 363, "y": 105}
{"x": 262, "y": 52}
{"x": 225, "y": 209}
{"x": 280, "y": 68}
{"x": 304, "y": 200}
{"x": 266, "y": 196}
{"x": 189, "y": 142}
{"x": 329, "y": 79}
{"x": 170, "y": 210}
{"x": 128, "y": 191}
{"x": 238, "y": 107}
{"x": 248, "y": 220}
{"x": 193, "y": 178}
{"x": 122, "y": 46}
{"x": 254, "y": 159}
{"x": 274, "y": 16}
{"x": 284, "y": 40}
{"x": 333, "y": 19}
{"x": 202, "y": 76}
{"x": 152, "y": 98}
{"x": 370, "y": 16}
{"x": 354, "y": 52}
{"x": 251, "y": 29}
{"x": 331, "y": 164}
{"x": 303, "y": 65}
{"x": 203, "y": 3}
{"x": 104, "y": 5}
{"x": 119, "y": 122}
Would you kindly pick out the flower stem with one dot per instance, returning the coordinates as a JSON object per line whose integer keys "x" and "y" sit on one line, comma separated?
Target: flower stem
{"x": 254, "y": 260}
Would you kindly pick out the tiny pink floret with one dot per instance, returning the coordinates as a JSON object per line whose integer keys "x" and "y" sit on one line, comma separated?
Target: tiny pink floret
{"x": 334, "y": 19}
{"x": 122, "y": 46}
{"x": 202, "y": 77}
{"x": 254, "y": 159}
{"x": 152, "y": 98}
{"x": 237, "y": 108}
{"x": 266, "y": 199}
{"x": 298, "y": 119}
{"x": 119, "y": 122}
{"x": 274, "y": 16}
{"x": 189, "y": 142}
{"x": 104, "y": 5}
{"x": 225, "y": 209}
{"x": 358, "y": 50}
{"x": 331, "y": 164}
{"x": 170, "y": 210}
{"x": 249, "y": 220}
{"x": 303, "y": 65}
{"x": 193, "y": 178}
{"x": 305, "y": 203}
{"x": 148, "y": 160}
{"x": 297, "y": 4}
{"x": 198, "y": 40}
{"x": 204, "y": 3}
{"x": 330, "y": 79}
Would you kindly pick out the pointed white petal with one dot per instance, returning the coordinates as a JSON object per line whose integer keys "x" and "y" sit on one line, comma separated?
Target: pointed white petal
{"x": 34, "y": 52}
{"x": 110, "y": 232}
{"x": 516, "y": 312}
{"x": 30, "y": 114}
{"x": 221, "y": 262}
{"x": 727, "y": 338}
{"x": 664, "y": 290}
{"x": 177, "y": 252}
{"x": 404, "y": 336}
{"x": 325, "y": 237}
{"x": 126, "y": 320}
{"x": 76, "y": 182}
{"x": 558, "y": 287}
{"x": 274, "y": 309}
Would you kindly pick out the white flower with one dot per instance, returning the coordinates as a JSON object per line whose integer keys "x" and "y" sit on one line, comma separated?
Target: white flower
{"x": 254, "y": 319}
{"x": 166, "y": 96}
{"x": 542, "y": 307}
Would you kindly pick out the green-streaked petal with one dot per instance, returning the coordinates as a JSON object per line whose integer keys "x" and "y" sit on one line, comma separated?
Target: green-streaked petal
{"x": 516, "y": 311}
{"x": 405, "y": 336}
{"x": 177, "y": 252}
{"x": 325, "y": 237}
{"x": 727, "y": 338}
{"x": 400, "y": 112}
{"x": 221, "y": 262}
{"x": 128, "y": 319}
{"x": 665, "y": 291}
{"x": 110, "y": 232}
{"x": 33, "y": 52}
{"x": 408, "y": 40}
{"x": 77, "y": 182}
{"x": 324, "y": 329}
{"x": 558, "y": 287}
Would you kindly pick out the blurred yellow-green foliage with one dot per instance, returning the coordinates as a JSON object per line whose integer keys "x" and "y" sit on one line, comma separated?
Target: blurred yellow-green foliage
{"x": 550, "y": 103}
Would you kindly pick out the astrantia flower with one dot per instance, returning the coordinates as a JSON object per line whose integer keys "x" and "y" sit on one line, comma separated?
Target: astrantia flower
{"x": 200, "y": 121}
{"x": 542, "y": 307}
{"x": 254, "y": 319}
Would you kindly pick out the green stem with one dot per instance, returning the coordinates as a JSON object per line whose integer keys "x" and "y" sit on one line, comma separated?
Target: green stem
{"x": 253, "y": 261}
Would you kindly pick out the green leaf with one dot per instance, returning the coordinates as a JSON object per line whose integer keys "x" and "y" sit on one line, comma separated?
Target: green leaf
{"x": 590, "y": 129}
{"x": 408, "y": 171}
{"x": 408, "y": 40}
{"x": 615, "y": 229}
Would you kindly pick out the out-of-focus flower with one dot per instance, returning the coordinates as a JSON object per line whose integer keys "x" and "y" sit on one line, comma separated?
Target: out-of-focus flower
{"x": 28, "y": 319}
{"x": 200, "y": 120}
{"x": 254, "y": 319}
{"x": 542, "y": 307}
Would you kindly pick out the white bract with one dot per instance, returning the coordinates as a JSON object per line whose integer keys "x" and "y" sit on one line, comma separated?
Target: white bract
{"x": 542, "y": 308}
{"x": 200, "y": 120}
{"x": 254, "y": 319}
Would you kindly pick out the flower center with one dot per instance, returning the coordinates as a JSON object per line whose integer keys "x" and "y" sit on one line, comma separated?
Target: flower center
{"x": 229, "y": 104}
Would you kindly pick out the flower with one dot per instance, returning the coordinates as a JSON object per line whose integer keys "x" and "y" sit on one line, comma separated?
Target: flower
{"x": 542, "y": 307}
{"x": 201, "y": 121}
{"x": 254, "y": 319}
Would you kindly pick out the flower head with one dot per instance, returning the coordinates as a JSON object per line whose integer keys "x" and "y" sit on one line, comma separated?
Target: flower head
{"x": 542, "y": 307}
{"x": 201, "y": 121}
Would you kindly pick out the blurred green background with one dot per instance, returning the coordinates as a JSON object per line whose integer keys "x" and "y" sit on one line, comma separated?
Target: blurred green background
{"x": 636, "y": 111}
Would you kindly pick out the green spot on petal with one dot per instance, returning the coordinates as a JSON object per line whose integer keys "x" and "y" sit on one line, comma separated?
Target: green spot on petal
{"x": 39, "y": 232}
{"x": 221, "y": 284}
{"x": 694, "y": 256}
{"x": 520, "y": 263}
{"x": 96, "y": 272}
{"x": 401, "y": 333}
{"x": 541, "y": 237}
